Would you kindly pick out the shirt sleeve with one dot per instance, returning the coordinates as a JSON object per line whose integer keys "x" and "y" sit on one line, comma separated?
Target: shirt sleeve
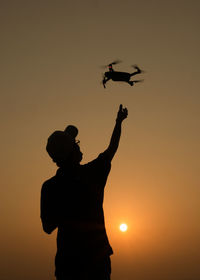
{"x": 47, "y": 209}
{"x": 104, "y": 161}
{"x": 99, "y": 169}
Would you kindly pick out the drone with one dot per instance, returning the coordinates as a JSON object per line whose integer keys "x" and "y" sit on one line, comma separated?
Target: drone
{"x": 120, "y": 76}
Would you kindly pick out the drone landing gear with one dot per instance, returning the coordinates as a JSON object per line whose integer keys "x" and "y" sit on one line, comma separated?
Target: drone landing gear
{"x": 134, "y": 82}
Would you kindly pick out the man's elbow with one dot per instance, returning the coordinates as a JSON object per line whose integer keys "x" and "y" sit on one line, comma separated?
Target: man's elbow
{"x": 48, "y": 228}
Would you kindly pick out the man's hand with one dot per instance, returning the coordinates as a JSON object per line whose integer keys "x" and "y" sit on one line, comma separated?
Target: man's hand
{"x": 122, "y": 113}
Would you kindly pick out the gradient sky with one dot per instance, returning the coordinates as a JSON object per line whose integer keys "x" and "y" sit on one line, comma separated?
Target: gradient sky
{"x": 50, "y": 77}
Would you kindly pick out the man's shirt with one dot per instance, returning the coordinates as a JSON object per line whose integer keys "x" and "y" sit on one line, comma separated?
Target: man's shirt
{"x": 72, "y": 201}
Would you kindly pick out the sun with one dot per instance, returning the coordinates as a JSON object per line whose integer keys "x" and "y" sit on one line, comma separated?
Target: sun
{"x": 123, "y": 227}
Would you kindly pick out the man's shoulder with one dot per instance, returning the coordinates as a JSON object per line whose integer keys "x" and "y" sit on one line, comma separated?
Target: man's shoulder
{"x": 99, "y": 167}
{"x": 102, "y": 158}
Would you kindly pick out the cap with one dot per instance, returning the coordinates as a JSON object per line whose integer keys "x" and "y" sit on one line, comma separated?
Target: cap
{"x": 60, "y": 143}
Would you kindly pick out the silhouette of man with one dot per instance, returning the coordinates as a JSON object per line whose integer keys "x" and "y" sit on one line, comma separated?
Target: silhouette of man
{"x": 72, "y": 201}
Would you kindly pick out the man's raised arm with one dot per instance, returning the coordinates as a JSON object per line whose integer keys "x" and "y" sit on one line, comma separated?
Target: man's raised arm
{"x": 114, "y": 142}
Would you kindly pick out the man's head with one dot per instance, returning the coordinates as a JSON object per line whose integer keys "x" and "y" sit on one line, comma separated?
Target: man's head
{"x": 63, "y": 148}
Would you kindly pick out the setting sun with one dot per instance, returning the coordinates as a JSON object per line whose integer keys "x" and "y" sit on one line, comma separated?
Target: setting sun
{"x": 123, "y": 227}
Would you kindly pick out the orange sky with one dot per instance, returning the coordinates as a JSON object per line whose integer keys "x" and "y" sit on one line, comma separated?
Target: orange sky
{"x": 50, "y": 77}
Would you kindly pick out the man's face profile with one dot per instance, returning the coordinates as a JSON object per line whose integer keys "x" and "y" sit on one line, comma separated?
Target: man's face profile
{"x": 77, "y": 155}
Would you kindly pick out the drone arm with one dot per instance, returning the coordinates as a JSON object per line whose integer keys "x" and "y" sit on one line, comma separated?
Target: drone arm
{"x": 105, "y": 81}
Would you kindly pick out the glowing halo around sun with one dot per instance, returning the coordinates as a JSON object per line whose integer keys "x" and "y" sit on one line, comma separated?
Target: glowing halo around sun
{"x": 123, "y": 227}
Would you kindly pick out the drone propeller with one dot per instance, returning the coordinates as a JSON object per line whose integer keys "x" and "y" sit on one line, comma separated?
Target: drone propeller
{"x": 115, "y": 62}
{"x": 137, "y": 68}
{"x": 110, "y": 64}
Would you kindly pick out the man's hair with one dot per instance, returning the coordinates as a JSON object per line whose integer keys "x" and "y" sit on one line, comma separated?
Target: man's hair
{"x": 60, "y": 144}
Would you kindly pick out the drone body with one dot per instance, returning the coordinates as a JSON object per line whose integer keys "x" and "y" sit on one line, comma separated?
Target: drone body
{"x": 120, "y": 76}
